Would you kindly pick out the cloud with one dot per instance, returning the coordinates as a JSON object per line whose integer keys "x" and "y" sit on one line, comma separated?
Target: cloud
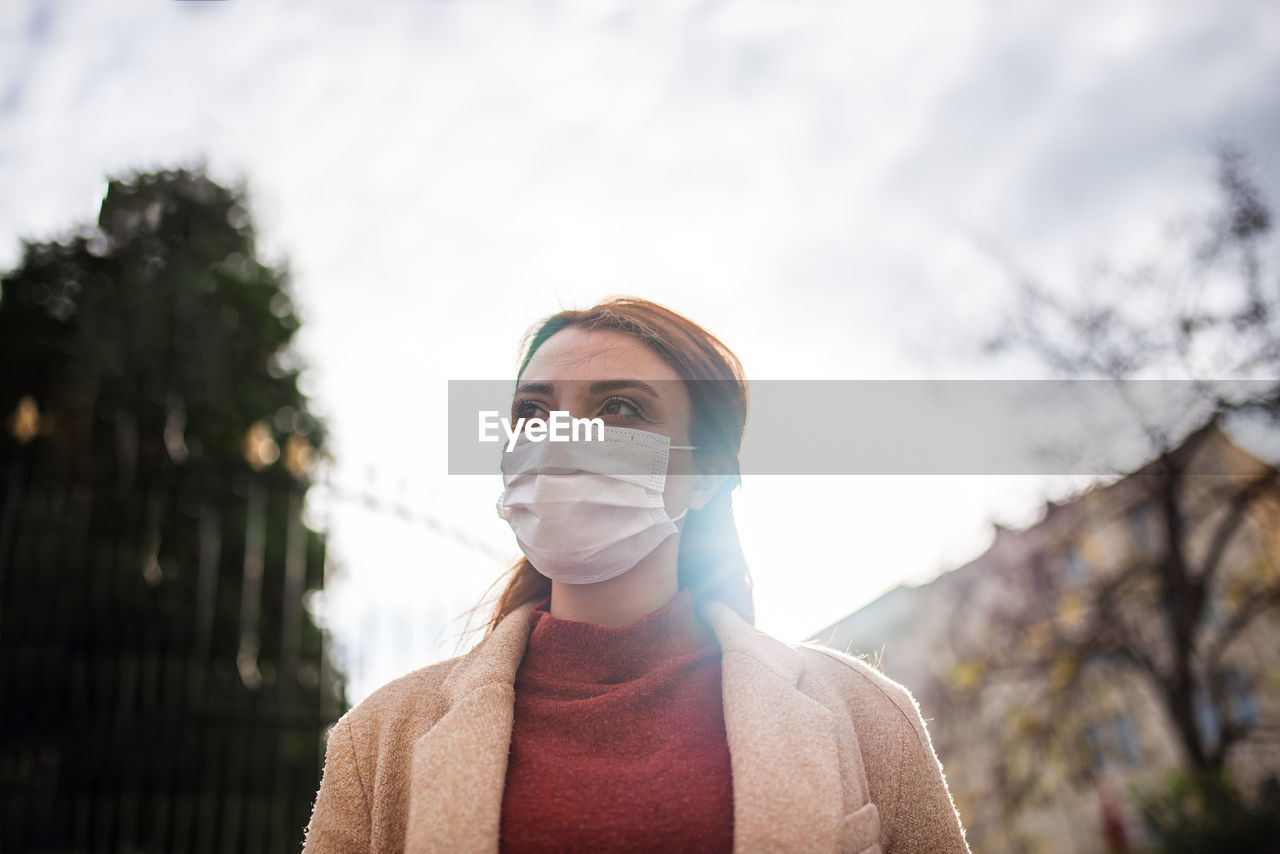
{"x": 802, "y": 178}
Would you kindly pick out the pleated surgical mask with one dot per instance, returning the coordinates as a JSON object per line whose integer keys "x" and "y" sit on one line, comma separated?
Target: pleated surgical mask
{"x": 588, "y": 511}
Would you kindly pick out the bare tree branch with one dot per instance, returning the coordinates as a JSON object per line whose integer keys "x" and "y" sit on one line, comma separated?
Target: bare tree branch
{"x": 1236, "y": 514}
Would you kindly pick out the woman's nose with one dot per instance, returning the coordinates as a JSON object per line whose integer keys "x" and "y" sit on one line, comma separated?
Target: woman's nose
{"x": 575, "y": 406}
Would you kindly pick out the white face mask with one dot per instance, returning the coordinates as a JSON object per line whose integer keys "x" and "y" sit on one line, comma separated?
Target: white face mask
{"x": 588, "y": 511}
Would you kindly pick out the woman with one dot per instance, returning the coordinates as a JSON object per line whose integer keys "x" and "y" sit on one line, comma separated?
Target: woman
{"x": 621, "y": 698}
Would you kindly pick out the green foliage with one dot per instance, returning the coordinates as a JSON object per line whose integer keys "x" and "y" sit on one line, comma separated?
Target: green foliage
{"x": 1204, "y": 813}
{"x": 162, "y": 309}
{"x": 162, "y": 686}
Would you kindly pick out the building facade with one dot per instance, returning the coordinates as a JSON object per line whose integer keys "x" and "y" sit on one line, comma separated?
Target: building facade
{"x": 1048, "y": 667}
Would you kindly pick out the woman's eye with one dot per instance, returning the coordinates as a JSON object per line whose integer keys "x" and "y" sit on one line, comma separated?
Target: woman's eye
{"x": 620, "y": 408}
{"x": 529, "y": 409}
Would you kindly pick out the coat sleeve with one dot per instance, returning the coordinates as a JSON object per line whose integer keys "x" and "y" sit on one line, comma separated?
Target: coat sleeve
{"x": 925, "y": 819}
{"x": 340, "y": 818}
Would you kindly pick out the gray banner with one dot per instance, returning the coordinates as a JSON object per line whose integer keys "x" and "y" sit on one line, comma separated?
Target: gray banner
{"x": 805, "y": 427}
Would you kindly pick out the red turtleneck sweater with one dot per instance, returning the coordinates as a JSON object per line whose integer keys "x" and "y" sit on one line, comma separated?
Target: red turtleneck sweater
{"x": 618, "y": 742}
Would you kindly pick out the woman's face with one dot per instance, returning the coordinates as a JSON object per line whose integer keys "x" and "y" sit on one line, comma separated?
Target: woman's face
{"x": 610, "y": 375}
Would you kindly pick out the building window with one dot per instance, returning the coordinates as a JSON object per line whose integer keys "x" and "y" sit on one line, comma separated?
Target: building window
{"x": 1127, "y": 738}
{"x": 1213, "y": 613}
{"x": 1140, "y": 528}
{"x": 1093, "y": 747}
{"x": 1244, "y": 710}
{"x": 1075, "y": 566}
{"x": 1207, "y": 720}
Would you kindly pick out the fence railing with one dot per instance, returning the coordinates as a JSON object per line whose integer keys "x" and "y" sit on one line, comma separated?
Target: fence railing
{"x": 162, "y": 687}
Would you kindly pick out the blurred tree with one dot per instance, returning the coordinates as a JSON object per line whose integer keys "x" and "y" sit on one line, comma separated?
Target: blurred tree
{"x": 1168, "y": 612}
{"x": 1195, "y": 812}
{"x": 1207, "y": 312}
{"x": 162, "y": 686}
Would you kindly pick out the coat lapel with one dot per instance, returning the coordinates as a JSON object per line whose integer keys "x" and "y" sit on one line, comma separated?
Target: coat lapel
{"x": 788, "y": 793}
{"x": 787, "y": 781}
{"x": 459, "y": 765}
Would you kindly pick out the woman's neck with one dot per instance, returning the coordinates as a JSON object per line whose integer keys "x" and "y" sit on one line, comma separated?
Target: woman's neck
{"x": 625, "y": 598}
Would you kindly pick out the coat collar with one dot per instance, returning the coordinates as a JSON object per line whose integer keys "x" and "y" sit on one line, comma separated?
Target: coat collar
{"x": 787, "y": 778}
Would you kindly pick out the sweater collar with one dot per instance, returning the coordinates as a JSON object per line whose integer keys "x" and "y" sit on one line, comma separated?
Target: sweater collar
{"x": 497, "y": 657}
{"x": 788, "y": 749}
{"x": 575, "y": 651}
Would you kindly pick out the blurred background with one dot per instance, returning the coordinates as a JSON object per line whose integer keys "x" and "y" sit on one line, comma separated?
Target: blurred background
{"x": 245, "y": 247}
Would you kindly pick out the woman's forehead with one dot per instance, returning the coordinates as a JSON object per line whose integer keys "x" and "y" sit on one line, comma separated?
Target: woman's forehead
{"x": 595, "y": 354}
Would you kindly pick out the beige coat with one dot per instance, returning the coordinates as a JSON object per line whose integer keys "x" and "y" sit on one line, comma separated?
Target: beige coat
{"x": 827, "y": 754}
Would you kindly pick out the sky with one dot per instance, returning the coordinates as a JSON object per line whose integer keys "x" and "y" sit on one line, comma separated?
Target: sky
{"x": 835, "y": 189}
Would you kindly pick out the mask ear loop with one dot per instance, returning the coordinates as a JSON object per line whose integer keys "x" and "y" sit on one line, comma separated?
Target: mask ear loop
{"x": 685, "y": 511}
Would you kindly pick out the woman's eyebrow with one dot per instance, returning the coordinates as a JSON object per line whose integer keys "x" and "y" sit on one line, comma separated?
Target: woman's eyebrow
{"x": 596, "y": 388}
{"x": 613, "y": 385}
{"x": 534, "y": 388}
